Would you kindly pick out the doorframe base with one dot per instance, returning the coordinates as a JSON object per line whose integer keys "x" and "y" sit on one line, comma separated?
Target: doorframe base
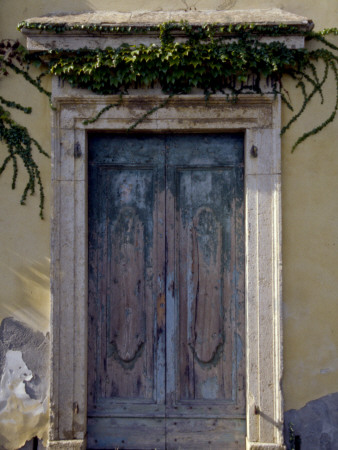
{"x": 73, "y": 444}
{"x": 257, "y": 446}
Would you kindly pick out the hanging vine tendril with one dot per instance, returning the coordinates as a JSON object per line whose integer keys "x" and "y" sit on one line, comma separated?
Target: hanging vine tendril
{"x": 20, "y": 145}
{"x": 209, "y": 58}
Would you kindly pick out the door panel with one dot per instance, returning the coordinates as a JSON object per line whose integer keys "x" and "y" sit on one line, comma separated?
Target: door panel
{"x": 204, "y": 285}
{"x": 126, "y": 278}
{"x": 166, "y": 291}
{"x": 205, "y": 185}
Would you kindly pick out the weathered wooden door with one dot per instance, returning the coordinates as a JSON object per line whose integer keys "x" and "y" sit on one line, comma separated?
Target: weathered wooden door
{"x": 166, "y": 292}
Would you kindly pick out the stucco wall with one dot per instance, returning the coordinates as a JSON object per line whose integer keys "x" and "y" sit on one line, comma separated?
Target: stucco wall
{"x": 310, "y": 219}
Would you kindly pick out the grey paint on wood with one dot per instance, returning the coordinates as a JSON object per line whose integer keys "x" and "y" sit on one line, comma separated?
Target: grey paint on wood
{"x": 166, "y": 291}
{"x": 124, "y": 187}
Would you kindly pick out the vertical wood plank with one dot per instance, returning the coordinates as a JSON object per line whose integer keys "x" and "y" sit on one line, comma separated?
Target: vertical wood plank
{"x": 205, "y": 220}
{"x": 127, "y": 269}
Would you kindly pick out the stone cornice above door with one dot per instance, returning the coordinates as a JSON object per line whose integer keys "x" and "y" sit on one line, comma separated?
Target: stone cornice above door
{"x": 141, "y": 26}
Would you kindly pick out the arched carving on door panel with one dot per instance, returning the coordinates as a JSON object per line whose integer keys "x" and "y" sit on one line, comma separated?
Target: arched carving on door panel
{"x": 127, "y": 286}
{"x": 207, "y": 334}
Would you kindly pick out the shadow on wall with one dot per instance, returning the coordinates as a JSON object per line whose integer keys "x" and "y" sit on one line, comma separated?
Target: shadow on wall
{"x": 31, "y": 303}
{"x": 23, "y": 384}
{"x": 313, "y": 427}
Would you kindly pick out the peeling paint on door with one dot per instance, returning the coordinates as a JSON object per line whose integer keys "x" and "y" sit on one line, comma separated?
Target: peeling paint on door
{"x": 166, "y": 284}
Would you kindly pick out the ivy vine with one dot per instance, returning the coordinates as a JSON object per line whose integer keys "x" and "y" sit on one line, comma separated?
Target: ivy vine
{"x": 19, "y": 143}
{"x": 229, "y": 60}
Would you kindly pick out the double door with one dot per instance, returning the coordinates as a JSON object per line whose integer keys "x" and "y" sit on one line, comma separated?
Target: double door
{"x": 166, "y": 292}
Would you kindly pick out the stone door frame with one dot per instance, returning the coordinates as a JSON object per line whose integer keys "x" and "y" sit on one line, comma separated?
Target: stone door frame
{"x": 259, "y": 117}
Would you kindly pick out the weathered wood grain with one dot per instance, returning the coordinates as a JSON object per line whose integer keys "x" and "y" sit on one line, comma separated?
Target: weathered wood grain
{"x": 205, "y": 175}
{"x": 126, "y": 284}
{"x": 207, "y": 327}
{"x": 125, "y": 177}
{"x": 166, "y": 302}
{"x": 211, "y": 434}
{"x": 130, "y": 433}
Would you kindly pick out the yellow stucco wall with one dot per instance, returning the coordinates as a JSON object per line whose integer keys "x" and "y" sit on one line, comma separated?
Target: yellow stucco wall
{"x": 310, "y": 209}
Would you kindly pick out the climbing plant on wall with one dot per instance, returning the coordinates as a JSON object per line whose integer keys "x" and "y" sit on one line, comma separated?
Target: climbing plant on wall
{"x": 20, "y": 145}
{"x": 229, "y": 60}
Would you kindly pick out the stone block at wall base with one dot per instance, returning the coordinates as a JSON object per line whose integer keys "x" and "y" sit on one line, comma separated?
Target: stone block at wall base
{"x": 315, "y": 426}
